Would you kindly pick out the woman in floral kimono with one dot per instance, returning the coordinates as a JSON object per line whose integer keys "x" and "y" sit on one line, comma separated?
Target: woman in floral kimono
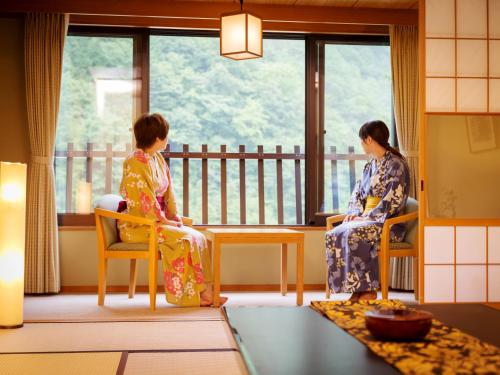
{"x": 351, "y": 248}
{"x": 147, "y": 188}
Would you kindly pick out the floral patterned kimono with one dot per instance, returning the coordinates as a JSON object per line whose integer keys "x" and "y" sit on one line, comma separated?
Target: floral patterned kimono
{"x": 147, "y": 188}
{"x": 351, "y": 248}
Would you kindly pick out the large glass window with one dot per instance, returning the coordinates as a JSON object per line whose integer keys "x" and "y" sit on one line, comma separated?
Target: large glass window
{"x": 357, "y": 89}
{"x": 96, "y": 110}
{"x": 224, "y": 116}
{"x": 216, "y": 101}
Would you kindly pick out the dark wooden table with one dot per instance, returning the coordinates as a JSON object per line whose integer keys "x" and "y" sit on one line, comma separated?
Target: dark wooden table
{"x": 298, "y": 340}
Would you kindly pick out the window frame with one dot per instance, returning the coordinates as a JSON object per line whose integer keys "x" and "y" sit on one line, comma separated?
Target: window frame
{"x": 140, "y": 38}
{"x": 314, "y": 110}
{"x": 315, "y": 131}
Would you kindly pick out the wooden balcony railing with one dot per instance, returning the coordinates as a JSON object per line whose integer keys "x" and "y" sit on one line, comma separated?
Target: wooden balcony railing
{"x": 221, "y": 157}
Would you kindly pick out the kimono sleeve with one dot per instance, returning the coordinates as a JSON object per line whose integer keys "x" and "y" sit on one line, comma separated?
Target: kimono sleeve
{"x": 395, "y": 193}
{"x": 171, "y": 211}
{"x": 356, "y": 203}
{"x": 137, "y": 189}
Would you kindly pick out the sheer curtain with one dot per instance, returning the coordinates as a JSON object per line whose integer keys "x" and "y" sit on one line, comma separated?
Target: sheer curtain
{"x": 43, "y": 54}
{"x": 404, "y": 65}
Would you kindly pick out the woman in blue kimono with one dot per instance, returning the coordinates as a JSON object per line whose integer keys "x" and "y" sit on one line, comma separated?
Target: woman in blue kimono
{"x": 351, "y": 248}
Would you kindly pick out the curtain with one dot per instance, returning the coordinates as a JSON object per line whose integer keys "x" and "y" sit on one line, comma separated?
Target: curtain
{"x": 404, "y": 66}
{"x": 43, "y": 53}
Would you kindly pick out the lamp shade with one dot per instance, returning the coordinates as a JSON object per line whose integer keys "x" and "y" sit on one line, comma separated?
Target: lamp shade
{"x": 12, "y": 232}
{"x": 84, "y": 198}
{"x": 240, "y": 36}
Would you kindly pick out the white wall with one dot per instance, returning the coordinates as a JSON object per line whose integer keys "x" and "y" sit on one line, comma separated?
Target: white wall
{"x": 240, "y": 264}
{"x": 469, "y": 181}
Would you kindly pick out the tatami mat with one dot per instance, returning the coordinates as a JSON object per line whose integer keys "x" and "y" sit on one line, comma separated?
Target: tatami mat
{"x": 193, "y": 363}
{"x": 118, "y": 307}
{"x": 60, "y": 363}
{"x": 116, "y": 336}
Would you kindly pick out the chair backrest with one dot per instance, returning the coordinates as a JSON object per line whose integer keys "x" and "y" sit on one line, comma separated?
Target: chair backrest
{"x": 109, "y": 202}
{"x": 411, "y": 226}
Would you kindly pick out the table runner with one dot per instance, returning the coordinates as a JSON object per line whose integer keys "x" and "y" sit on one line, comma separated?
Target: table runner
{"x": 445, "y": 350}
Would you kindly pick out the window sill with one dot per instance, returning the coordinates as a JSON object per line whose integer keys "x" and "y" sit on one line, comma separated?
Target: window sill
{"x": 86, "y": 222}
{"x": 75, "y": 220}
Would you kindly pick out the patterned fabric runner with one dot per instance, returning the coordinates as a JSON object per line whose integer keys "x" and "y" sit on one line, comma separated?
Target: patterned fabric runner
{"x": 445, "y": 350}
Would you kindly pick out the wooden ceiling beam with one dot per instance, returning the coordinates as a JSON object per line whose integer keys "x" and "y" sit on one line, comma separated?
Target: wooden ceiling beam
{"x": 213, "y": 10}
{"x": 209, "y": 24}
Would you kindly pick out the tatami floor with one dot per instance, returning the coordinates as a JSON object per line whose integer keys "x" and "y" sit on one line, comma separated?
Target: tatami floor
{"x": 70, "y": 334}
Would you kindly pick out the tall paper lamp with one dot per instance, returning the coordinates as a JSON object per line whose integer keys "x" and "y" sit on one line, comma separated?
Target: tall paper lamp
{"x": 12, "y": 231}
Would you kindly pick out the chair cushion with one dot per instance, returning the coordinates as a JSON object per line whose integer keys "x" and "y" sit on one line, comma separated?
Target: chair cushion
{"x": 411, "y": 226}
{"x": 400, "y": 245}
{"x": 109, "y": 202}
{"x": 125, "y": 246}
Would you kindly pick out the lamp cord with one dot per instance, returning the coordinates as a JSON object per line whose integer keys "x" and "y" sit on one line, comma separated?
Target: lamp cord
{"x": 241, "y": 4}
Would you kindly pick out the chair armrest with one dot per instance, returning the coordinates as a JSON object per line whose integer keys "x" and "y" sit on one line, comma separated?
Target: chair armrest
{"x": 124, "y": 217}
{"x": 385, "y": 237}
{"x": 187, "y": 221}
{"x": 401, "y": 219}
{"x": 334, "y": 219}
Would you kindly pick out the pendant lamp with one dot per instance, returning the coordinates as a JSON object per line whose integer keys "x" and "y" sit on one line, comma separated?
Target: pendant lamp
{"x": 240, "y": 35}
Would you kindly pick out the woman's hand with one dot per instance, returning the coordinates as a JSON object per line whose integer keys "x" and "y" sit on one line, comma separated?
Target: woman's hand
{"x": 172, "y": 223}
{"x": 359, "y": 218}
{"x": 354, "y": 218}
{"x": 349, "y": 218}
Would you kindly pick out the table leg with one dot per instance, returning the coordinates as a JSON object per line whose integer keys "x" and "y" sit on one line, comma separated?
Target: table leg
{"x": 300, "y": 272}
{"x": 284, "y": 270}
{"x": 216, "y": 253}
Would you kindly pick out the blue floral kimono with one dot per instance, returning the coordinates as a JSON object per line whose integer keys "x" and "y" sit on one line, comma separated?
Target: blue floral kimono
{"x": 351, "y": 248}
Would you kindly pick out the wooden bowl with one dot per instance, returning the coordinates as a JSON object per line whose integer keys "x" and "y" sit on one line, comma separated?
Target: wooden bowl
{"x": 398, "y": 324}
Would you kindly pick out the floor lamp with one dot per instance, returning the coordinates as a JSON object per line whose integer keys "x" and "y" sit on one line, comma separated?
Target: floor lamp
{"x": 12, "y": 232}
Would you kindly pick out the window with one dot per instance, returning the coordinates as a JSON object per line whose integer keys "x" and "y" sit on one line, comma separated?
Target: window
{"x": 357, "y": 89}
{"x": 217, "y": 101}
{"x": 96, "y": 110}
{"x": 265, "y": 141}
{"x": 352, "y": 86}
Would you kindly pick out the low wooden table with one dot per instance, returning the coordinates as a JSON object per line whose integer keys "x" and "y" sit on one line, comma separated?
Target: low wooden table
{"x": 218, "y": 237}
{"x": 291, "y": 340}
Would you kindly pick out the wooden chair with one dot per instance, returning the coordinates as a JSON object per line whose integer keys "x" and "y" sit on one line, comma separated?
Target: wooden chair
{"x": 110, "y": 246}
{"x": 407, "y": 248}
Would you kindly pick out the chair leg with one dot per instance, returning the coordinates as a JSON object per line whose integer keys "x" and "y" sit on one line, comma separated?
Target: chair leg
{"x": 153, "y": 266}
{"x": 103, "y": 265}
{"x": 133, "y": 278}
{"x": 384, "y": 274}
{"x": 415, "y": 276}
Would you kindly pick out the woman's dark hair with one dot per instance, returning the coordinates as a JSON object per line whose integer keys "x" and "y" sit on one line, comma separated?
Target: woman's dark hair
{"x": 379, "y": 132}
{"x": 148, "y": 127}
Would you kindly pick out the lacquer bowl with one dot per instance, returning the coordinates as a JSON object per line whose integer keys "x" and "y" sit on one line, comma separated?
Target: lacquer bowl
{"x": 398, "y": 324}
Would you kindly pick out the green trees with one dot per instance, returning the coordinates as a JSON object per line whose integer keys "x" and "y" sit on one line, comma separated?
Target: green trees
{"x": 212, "y": 100}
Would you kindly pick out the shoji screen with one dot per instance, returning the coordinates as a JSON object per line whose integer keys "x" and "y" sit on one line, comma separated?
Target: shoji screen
{"x": 461, "y": 151}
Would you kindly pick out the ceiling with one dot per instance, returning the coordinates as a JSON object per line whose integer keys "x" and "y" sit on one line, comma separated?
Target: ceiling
{"x": 391, "y": 4}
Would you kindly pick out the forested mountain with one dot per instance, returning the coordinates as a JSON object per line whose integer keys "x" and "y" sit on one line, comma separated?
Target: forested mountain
{"x": 208, "y": 99}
